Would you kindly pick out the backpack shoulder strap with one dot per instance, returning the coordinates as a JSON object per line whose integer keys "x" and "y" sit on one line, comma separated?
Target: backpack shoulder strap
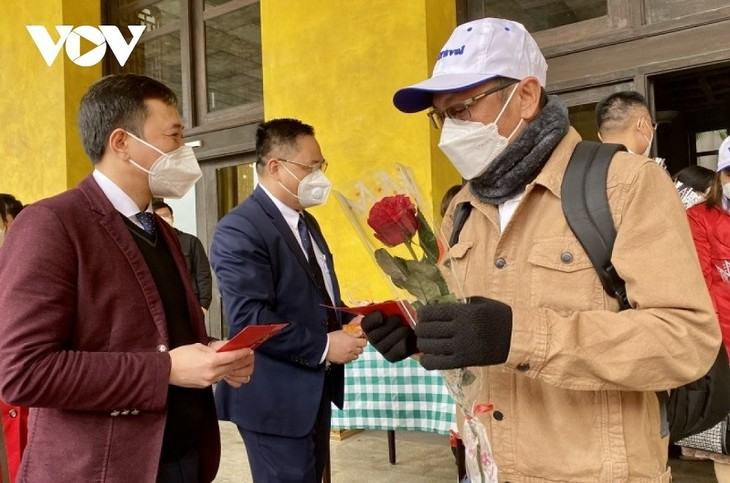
{"x": 461, "y": 214}
{"x": 585, "y": 205}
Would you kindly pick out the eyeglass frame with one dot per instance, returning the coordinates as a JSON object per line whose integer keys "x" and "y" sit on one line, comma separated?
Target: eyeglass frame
{"x": 438, "y": 117}
{"x": 321, "y": 165}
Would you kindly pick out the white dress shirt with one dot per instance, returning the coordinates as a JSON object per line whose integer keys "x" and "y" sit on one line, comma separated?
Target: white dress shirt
{"x": 118, "y": 198}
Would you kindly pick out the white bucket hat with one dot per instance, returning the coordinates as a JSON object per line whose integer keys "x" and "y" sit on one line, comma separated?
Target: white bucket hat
{"x": 476, "y": 52}
{"x": 723, "y": 155}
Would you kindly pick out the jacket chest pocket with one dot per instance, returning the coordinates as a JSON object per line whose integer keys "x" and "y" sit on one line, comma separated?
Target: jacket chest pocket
{"x": 562, "y": 276}
{"x": 455, "y": 265}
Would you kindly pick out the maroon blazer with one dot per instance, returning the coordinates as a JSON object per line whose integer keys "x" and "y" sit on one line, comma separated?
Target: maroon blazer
{"x": 82, "y": 342}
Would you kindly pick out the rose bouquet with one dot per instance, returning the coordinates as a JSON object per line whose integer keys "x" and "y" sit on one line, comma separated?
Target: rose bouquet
{"x": 391, "y": 218}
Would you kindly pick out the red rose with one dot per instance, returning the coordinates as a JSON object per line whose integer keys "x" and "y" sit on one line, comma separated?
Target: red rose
{"x": 394, "y": 220}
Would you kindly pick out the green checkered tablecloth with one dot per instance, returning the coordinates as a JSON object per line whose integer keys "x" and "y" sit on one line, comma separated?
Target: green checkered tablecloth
{"x": 381, "y": 395}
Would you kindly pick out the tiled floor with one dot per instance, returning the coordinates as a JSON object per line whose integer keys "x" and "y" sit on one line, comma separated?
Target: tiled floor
{"x": 420, "y": 458}
{"x": 361, "y": 458}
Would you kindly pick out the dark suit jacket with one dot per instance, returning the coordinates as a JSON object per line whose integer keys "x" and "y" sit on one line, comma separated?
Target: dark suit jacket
{"x": 264, "y": 278}
{"x": 198, "y": 267}
{"x": 82, "y": 330}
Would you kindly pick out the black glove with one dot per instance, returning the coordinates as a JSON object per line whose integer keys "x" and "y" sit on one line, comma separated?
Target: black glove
{"x": 392, "y": 337}
{"x": 477, "y": 333}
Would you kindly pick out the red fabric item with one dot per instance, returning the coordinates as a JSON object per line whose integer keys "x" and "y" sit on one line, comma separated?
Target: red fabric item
{"x": 15, "y": 427}
{"x": 711, "y": 233}
{"x": 453, "y": 438}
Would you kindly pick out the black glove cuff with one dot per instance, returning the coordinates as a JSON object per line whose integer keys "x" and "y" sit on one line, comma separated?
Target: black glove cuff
{"x": 496, "y": 336}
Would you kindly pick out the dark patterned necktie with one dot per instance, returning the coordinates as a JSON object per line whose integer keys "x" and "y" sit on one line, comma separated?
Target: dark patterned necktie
{"x": 147, "y": 220}
{"x": 332, "y": 323}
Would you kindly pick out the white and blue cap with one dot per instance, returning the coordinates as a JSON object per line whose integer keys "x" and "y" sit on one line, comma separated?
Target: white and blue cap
{"x": 476, "y": 52}
{"x": 723, "y": 155}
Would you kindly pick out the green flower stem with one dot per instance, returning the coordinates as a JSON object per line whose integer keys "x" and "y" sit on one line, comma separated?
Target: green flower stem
{"x": 409, "y": 245}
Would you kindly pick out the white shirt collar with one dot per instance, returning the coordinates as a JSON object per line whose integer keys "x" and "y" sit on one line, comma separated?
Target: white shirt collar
{"x": 291, "y": 216}
{"x": 118, "y": 198}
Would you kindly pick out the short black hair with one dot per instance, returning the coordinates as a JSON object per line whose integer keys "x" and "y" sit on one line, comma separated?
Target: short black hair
{"x": 117, "y": 101}
{"x": 696, "y": 177}
{"x": 615, "y": 110}
{"x": 9, "y": 205}
{"x": 158, "y": 205}
{"x": 278, "y": 132}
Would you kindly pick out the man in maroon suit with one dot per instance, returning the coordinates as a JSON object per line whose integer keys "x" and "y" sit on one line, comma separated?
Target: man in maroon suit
{"x": 100, "y": 332}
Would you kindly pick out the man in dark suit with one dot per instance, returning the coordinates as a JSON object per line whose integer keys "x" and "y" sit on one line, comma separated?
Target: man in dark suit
{"x": 100, "y": 333}
{"x": 273, "y": 265}
{"x": 195, "y": 258}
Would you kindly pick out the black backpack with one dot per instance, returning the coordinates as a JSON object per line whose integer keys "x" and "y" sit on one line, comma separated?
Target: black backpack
{"x": 688, "y": 409}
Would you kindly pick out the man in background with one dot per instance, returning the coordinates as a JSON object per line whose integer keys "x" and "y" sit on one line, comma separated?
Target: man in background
{"x": 624, "y": 118}
{"x": 196, "y": 260}
{"x": 10, "y": 206}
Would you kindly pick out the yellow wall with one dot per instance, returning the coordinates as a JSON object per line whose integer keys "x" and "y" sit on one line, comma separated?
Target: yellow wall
{"x": 336, "y": 65}
{"x": 40, "y": 150}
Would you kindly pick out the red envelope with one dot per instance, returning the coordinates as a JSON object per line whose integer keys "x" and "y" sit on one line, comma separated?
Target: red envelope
{"x": 252, "y": 336}
{"x": 388, "y": 308}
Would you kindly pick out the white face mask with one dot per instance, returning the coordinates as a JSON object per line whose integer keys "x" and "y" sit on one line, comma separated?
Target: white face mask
{"x": 313, "y": 190}
{"x": 172, "y": 174}
{"x": 649, "y": 140}
{"x": 472, "y": 146}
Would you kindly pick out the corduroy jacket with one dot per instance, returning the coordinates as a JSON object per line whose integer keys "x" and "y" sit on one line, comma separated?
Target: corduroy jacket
{"x": 575, "y": 401}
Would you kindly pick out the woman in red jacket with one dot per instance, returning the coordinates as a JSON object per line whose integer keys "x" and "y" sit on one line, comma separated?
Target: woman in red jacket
{"x": 710, "y": 224}
{"x": 15, "y": 419}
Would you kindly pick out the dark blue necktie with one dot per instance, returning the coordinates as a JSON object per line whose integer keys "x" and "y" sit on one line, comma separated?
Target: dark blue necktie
{"x": 147, "y": 220}
{"x": 332, "y": 323}
{"x": 304, "y": 236}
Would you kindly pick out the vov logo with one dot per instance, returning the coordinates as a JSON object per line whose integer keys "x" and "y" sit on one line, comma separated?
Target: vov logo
{"x": 71, "y": 36}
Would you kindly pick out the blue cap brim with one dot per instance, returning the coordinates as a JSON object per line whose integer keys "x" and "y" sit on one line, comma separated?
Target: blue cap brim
{"x": 419, "y": 96}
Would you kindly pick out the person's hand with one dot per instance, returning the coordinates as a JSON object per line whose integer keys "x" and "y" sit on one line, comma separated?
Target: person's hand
{"x": 242, "y": 372}
{"x": 198, "y": 366}
{"x": 344, "y": 347}
{"x": 453, "y": 335}
{"x": 353, "y": 327}
{"x": 392, "y": 337}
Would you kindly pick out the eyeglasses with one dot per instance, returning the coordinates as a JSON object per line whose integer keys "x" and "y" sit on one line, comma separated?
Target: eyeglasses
{"x": 321, "y": 165}
{"x": 460, "y": 110}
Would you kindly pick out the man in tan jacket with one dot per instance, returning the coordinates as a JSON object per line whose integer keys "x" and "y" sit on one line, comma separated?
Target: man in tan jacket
{"x": 572, "y": 379}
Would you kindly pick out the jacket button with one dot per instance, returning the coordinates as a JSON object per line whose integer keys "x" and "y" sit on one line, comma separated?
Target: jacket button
{"x": 498, "y": 415}
{"x": 134, "y": 412}
{"x": 566, "y": 257}
{"x": 114, "y": 413}
{"x": 125, "y": 412}
{"x": 500, "y": 263}
{"x": 523, "y": 367}
{"x": 13, "y": 413}
{"x": 324, "y": 323}
{"x": 162, "y": 348}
